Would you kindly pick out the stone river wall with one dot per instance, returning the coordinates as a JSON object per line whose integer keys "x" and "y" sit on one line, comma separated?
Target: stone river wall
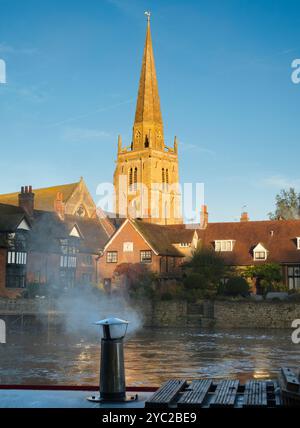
{"x": 220, "y": 314}
{"x": 205, "y": 313}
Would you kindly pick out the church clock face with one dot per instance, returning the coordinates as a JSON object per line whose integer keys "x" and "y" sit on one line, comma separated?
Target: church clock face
{"x": 80, "y": 211}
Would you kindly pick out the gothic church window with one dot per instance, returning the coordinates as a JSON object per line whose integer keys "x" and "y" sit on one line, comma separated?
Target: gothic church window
{"x": 137, "y": 137}
{"x": 135, "y": 178}
{"x": 80, "y": 211}
{"x": 130, "y": 178}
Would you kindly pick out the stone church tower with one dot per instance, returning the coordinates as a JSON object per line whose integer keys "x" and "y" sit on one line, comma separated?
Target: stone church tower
{"x": 146, "y": 177}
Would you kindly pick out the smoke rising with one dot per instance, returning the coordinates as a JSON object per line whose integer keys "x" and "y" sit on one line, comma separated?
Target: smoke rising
{"x": 84, "y": 307}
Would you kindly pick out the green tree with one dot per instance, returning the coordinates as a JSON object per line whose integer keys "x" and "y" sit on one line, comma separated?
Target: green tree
{"x": 287, "y": 205}
{"x": 205, "y": 270}
{"x": 269, "y": 276}
{"x": 235, "y": 286}
{"x": 138, "y": 279}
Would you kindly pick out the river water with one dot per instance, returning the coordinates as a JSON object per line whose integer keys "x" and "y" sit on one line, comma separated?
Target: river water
{"x": 152, "y": 356}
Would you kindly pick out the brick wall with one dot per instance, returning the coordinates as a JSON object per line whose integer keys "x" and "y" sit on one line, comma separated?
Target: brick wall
{"x": 127, "y": 234}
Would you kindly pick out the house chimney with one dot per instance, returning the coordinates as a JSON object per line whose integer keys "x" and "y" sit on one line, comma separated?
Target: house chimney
{"x": 59, "y": 205}
{"x": 203, "y": 217}
{"x": 26, "y": 200}
{"x": 244, "y": 217}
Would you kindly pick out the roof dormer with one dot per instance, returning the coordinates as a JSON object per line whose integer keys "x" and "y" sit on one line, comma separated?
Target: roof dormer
{"x": 260, "y": 253}
{"x": 75, "y": 232}
{"x": 224, "y": 244}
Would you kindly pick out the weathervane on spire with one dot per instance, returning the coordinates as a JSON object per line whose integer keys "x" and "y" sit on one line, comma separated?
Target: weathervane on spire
{"x": 148, "y": 14}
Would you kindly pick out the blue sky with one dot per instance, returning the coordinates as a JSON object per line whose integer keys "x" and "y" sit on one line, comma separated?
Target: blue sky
{"x": 224, "y": 74}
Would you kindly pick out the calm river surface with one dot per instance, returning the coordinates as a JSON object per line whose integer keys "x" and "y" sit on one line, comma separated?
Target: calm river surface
{"x": 152, "y": 356}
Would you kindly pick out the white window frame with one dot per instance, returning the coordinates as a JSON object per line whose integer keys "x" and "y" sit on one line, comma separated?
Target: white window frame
{"x": 259, "y": 249}
{"x": 298, "y": 243}
{"x": 112, "y": 257}
{"x": 224, "y": 245}
{"x": 146, "y": 256}
{"x": 16, "y": 257}
{"x": 184, "y": 244}
{"x": 260, "y": 258}
{"x": 127, "y": 247}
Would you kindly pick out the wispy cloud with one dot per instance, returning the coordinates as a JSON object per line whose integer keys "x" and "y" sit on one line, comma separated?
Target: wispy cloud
{"x": 9, "y": 49}
{"x": 281, "y": 182}
{"x": 77, "y": 135}
{"x": 33, "y": 93}
{"x": 194, "y": 147}
{"x": 90, "y": 113}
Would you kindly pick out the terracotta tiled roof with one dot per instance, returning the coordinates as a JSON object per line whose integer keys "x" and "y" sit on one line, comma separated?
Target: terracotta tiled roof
{"x": 162, "y": 238}
{"x": 44, "y": 198}
{"x": 278, "y": 237}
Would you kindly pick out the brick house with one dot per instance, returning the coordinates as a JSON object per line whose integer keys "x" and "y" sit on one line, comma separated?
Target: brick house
{"x": 161, "y": 248}
{"x": 64, "y": 239}
{"x": 241, "y": 244}
{"x": 250, "y": 243}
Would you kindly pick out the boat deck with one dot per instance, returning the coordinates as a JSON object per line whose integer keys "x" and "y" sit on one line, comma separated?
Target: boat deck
{"x": 56, "y": 398}
{"x": 173, "y": 394}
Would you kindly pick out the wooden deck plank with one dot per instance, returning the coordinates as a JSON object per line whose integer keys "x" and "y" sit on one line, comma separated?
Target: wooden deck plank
{"x": 225, "y": 394}
{"x": 166, "y": 394}
{"x": 255, "y": 394}
{"x": 196, "y": 393}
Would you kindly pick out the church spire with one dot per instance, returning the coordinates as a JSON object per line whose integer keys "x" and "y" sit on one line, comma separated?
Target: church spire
{"x": 148, "y": 125}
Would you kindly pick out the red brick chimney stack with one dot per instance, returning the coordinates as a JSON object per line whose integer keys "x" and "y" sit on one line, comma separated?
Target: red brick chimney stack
{"x": 244, "y": 217}
{"x": 203, "y": 217}
{"x": 59, "y": 205}
{"x": 26, "y": 200}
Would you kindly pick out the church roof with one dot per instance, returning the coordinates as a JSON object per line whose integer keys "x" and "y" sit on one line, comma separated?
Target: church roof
{"x": 148, "y": 103}
{"x": 43, "y": 198}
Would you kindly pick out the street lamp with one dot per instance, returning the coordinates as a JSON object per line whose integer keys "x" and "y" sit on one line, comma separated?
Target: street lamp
{"x": 112, "y": 372}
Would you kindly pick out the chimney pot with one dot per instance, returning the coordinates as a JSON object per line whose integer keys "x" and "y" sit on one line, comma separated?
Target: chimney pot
{"x": 26, "y": 199}
{"x": 244, "y": 217}
{"x": 203, "y": 217}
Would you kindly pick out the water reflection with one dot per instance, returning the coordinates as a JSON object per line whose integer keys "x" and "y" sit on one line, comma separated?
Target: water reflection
{"x": 152, "y": 356}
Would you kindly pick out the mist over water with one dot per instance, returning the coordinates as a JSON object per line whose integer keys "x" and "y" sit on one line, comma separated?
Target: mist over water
{"x": 81, "y": 309}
